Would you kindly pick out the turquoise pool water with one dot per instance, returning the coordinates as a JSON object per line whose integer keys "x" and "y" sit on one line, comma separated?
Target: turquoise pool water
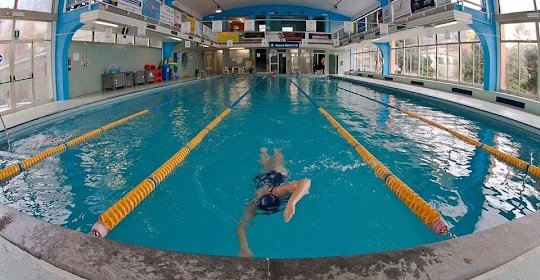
{"x": 348, "y": 211}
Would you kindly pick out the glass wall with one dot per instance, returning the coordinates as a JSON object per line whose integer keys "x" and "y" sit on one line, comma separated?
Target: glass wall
{"x": 366, "y": 58}
{"x": 454, "y": 57}
{"x": 26, "y": 55}
{"x": 85, "y": 35}
{"x": 519, "y": 47}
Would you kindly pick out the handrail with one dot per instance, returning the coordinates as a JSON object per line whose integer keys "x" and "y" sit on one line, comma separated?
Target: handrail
{"x": 119, "y": 210}
{"x": 429, "y": 216}
{"x": 14, "y": 169}
{"x": 6, "y": 132}
{"x": 529, "y": 168}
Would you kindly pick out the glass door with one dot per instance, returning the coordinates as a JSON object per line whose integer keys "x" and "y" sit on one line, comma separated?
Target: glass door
{"x": 22, "y": 72}
{"x": 41, "y": 73}
{"x": 5, "y": 76}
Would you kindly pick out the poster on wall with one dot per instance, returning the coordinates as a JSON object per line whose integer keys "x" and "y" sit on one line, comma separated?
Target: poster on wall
{"x": 187, "y": 44}
{"x": 249, "y": 25}
{"x": 199, "y": 28}
{"x": 401, "y": 8}
{"x": 223, "y": 37}
{"x": 132, "y": 6}
{"x": 311, "y": 25}
{"x": 417, "y": 5}
{"x": 387, "y": 13}
{"x": 151, "y": 9}
{"x": 166, "y": 15}
{"x": 348, "y": 27}
{"x": 177, "y": 19}
{"x": 217, "y": 26}
{"x": 186, "y": 27}
{"x": 230, "y": 43}
{"x": 192, "y": 26}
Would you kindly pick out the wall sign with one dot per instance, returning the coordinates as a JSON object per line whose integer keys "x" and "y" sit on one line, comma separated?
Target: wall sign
{"x": 249, "y": 25}
{"x": 151, "y": 8}
{"x": 401, "y": 8}
{"x": 311, "y": 25}
{"x": 186, "y": 27}
{"x": 387, "y": 13}
{"x": 320, "y": 36}
{"x": 348, "y": 27}
{"x": 177, "y": 18}
{"x": 421, "y": 4}
{"x": 217, "y": 26}
{"x": 230, "y": 43}
{"x": 132, "y": 6}
{"x": 188, "y": 44}
{"x": 166, "y": 15}
{"x": 223, "y": 37}
{"x": 284, "y": 45}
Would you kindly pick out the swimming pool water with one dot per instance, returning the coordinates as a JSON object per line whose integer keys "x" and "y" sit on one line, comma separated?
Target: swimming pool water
{"x": 348, "y": 211}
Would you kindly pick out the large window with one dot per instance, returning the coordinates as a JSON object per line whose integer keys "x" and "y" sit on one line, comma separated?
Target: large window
{"x": 514, "y": 6}
{"x": 25, "y": 67}
{"x": 366, "y": 58}
{"x": 454, "y": 56}
{"x": 519, "y": 56}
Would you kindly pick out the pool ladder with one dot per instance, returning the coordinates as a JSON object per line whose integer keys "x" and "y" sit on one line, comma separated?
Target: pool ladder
{"x": 6, "y": 132}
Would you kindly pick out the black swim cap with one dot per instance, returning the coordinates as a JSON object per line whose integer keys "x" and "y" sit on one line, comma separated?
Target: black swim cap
{"x": 269, "y": 202}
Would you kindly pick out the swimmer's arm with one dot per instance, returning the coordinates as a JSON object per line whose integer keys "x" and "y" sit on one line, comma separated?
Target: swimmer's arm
{"x": 298, "y": 190}
{"x": 249, "y": 213}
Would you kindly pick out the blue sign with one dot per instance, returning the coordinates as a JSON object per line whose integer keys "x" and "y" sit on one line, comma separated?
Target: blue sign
{"x": 151, "y": 9}
{"x": 284, "y": 45}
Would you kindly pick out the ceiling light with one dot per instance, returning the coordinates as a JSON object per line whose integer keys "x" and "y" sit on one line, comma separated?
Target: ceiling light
{"x": 105, "y": 23}
{"x": 237, "y": 48}
{"x": 174, "y": 38}
{"x": 446, "y": 24}
{"x": 219, "y": 9}
{"x": 204, "y": 46}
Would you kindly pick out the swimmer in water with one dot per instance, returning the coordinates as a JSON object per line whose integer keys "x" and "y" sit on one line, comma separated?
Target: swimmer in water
{"x": 271, "y": 191}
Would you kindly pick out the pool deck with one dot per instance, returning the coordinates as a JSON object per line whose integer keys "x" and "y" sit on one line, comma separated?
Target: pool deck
{"x": 33, "y": 249}
{"x": 514, "y": 116}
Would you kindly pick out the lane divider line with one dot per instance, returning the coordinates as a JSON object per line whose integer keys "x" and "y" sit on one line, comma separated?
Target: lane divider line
{"x": 508, "y": 158}
{"x": 109, "y": 219}
{"x": 14, "y": 169}
{"x": 427, "y": 214}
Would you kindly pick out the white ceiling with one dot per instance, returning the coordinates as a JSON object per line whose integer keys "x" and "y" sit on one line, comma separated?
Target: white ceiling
{"x": 350, "y": 8}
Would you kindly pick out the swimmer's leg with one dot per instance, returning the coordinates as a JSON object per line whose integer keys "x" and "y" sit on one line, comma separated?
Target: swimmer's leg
{"x": 278, "y": 162}
{"x": 265, "y": 159}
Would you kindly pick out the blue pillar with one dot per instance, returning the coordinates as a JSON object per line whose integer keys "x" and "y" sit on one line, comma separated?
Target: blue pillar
{"x": 168, "y": 48}
{"x": 486, "y": 30}
{"x": 67, "y": 24}
{"x": 326, "y": 25}
{"x": 385, "y": 52}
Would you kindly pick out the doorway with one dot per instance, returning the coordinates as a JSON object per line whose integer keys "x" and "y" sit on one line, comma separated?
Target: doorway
{"x": 278, "y": 61}
{"x": 332, "y": 64}
{"x": 260, "y": 60}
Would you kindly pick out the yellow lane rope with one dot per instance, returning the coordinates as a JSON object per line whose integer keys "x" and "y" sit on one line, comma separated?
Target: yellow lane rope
{"x": 529, "y": 168}
{"x": 116, "y": 213}
{"x": 14, "y": 169}
{"x": 429, "y": 216}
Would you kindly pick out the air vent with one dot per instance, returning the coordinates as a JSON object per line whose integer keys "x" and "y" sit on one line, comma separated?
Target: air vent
{"x": 417, "y": 83}
{"x": 399, "y": 27}
{"x": 174, "y": 32}
{"x": 151, "y": 26}
{"x": 190, "y": 37}
{"x": 462, "y": 91}
{"x": 389, "y": 78}
{"x": 511, "y": 102}
{"x": 370, "y": 76}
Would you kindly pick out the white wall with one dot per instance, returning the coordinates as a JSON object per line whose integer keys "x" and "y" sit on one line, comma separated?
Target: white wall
{"x": 344, "y": 60}
{"x": 84, "y": 80}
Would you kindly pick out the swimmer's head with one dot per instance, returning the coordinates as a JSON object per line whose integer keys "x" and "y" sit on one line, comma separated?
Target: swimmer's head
{"x": 269, "y": 202}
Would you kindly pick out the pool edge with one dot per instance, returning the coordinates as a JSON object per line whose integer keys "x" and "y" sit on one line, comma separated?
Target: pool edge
{"x": 95, "y": 258}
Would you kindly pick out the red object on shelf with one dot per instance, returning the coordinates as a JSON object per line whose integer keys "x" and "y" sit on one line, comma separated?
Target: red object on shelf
{"x": 158, "y": 80}
{"x": 150, "y": 67}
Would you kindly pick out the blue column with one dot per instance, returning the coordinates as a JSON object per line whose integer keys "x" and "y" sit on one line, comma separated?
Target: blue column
{"x": 66, "y": 26}
{"x": 385, "y": 52}
{"x": 486, "y": 29}
{"x": 168, "y": 48}
{"x": 326, "y": 25}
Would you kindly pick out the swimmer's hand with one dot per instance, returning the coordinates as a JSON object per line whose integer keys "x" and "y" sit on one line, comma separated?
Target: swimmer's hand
{"x": 289, "y": 212}
{"x": 245, "y": 252}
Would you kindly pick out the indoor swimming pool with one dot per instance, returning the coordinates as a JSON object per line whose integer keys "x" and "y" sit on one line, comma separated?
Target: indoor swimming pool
{"x": 348, "y": 211}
